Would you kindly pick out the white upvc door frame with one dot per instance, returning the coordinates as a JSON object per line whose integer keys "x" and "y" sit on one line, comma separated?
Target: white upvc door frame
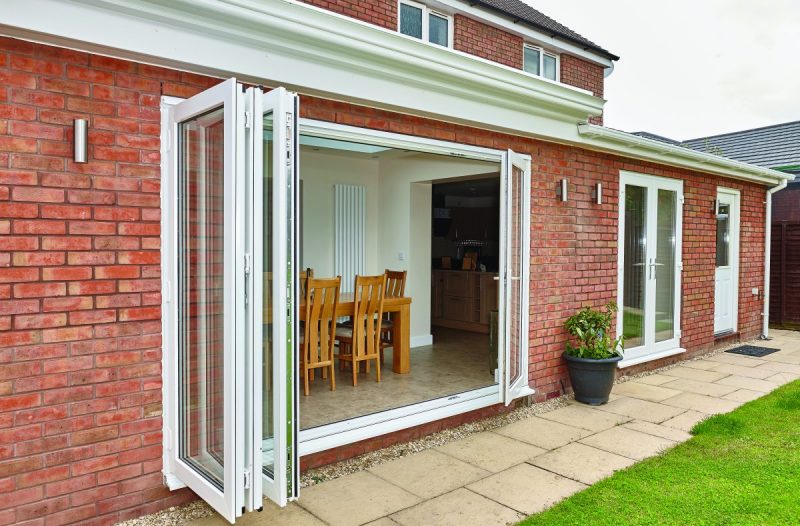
{"x": 651, "y": 350}
{"x": 733, "y": 198}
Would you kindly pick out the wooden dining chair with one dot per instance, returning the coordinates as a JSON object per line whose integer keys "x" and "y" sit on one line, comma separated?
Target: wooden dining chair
{"x": 319, "y": 331}
{"x": 395, "y": 288}
{"x": 361, "y": 342}
{"x": 304, "y": 276}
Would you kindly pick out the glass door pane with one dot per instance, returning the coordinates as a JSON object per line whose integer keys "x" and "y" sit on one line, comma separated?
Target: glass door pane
{"x": 664, "y": 265}
{"x": 634, "y": 266}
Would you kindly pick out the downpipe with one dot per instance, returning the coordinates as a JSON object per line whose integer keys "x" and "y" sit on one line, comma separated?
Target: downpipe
{"x": 767, "y": 255}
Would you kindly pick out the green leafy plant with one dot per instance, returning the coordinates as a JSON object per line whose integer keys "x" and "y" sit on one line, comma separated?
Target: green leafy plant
{"x": 591, "y": 330}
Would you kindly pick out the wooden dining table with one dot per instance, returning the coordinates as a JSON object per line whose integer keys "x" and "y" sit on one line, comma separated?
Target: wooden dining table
{"x": 400, "y": 307}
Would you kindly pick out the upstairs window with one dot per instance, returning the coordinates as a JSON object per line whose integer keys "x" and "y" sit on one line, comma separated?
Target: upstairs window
{"x": 537, "y": 61}
{"x": 418, "y": 21}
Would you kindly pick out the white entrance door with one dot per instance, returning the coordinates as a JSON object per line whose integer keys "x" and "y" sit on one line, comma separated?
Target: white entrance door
{"x": 231, "y": 425}
{"x": 515, "y": 234}
{"x": 650, "y": 231}
{"x": 726, "y": 275}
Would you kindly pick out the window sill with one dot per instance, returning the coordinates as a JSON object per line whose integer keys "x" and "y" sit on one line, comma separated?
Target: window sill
{"x": 628, "y": 362}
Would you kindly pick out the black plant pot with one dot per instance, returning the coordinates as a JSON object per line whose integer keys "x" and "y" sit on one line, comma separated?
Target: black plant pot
{"x": 592, "y": 379}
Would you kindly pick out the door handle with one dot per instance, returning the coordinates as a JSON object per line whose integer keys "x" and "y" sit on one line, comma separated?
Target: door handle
{"x": 653, "y": 266}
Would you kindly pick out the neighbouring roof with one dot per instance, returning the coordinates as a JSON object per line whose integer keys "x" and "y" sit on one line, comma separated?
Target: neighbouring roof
{"x": 522, "y": 12}
{"x": 776, "y": 146}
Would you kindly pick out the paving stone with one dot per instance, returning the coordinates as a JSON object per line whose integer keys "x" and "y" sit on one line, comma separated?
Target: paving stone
{"x": 355, "y": 499}
{"x": 704, "y": 388}
{"x": 458, "y": 508}
{"x": 289, "y": 515}
{"x": 542, "y": 433}
{"x": 428, "y": 473}
{"x": 526, "y": 488}
{"x": 652, "y": 393}
{"x": 740, "y": 370}
{"x": 700, "y": 364}
{"x": 779, "y": 367}
{"x": 743, "y": 395}
{"x": 655, "y": 379}
{"x": 658, "y": 430}
{"x": 385, "y": 521}
{"x": 743, "y": 382}
{"x": 628, "y": 443}
{"x": 583, "y": 463}
{"x": 685, "y": 421}
{"x": 783, "y": 357}
{"x": 641, "y": 409}
{"x": 704, "y": 404}
{"x": 586, "y": 417}
{"x": 695, "y": 374}
{"x": 782, "y": 378}
{"x": 736, "y": 359}
{"x": 491, "y": 451}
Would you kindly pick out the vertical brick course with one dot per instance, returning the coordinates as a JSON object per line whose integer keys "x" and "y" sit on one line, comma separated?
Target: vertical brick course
{"x": 485, "y": 41}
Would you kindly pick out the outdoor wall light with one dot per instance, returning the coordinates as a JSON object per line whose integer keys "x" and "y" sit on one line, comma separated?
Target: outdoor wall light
{"x": 597, "y": 194}
{"x": 80, "y": 130}
{"x": 561, "y": 190}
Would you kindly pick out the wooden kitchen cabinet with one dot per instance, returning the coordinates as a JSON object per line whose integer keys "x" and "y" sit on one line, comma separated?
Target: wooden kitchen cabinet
{"x": 463, "y": 299}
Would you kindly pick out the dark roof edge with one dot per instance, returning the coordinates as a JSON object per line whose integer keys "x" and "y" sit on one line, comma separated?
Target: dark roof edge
{"x": 585, "y": 45}
{"x": 742, "y": 131}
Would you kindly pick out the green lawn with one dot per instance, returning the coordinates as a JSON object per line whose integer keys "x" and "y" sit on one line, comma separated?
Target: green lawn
{"x": 740, "y": 468}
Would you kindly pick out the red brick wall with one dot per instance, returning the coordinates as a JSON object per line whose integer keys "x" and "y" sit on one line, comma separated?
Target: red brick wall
{"x": 479, "y": 39}
{"x": 80, "y": 343}
{"x": 582, "y": 74}
{"x": 379, "y": 12}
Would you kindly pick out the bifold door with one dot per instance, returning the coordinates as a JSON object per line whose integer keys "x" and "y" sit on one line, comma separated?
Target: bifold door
{"x": 233, "y": 424}
{"x": 515, "y": 236}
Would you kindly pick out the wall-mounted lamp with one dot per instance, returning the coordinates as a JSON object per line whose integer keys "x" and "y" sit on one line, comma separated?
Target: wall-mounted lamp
{"x": 597, "y": 194}
{"x": 80, "y": 131}
{"x": 716, "y": 206}
{"x": 561, "y": 190}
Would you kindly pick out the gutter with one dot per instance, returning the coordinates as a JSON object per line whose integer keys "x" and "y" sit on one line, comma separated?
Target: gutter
{"x": 767, "y": 256}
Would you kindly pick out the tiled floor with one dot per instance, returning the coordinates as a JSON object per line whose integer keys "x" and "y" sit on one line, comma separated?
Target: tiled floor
{"x": 458, "y": 361}
{"x": 500, "y": 476}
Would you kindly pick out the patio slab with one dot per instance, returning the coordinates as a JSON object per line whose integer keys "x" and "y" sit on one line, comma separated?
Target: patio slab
{"x": 641, "y": 409}
{"x": 628, "y": 443}
{"x": 583, "y": 463}
{"x": 701, "y": 364}
{"x": 703, "y": 388}
{"x": 526, "y": 488}
{"x": 779, "y": 367}
{"x": 458, "y": 508}
{"x": 743, "y": 370}
{"x": 586, "y": 417}
{"x": 736, "y": 359}
{"x": 670, "y": 433}
{"x": 272, "y": 515}
{"x": 642, "y": 391}
{"x": 782, "y": 378}
{"x": 491, "y": 451}
{"x": 744, "y": 382}
{"x": 702, "y": 403}
{"x": 694, "y": 374}
{"x": 685, "y": 421}
{"x": 655, "y": 379}
{"x": 355, "y": 499}
{"x": 743, "y": 395}
{"x": 543, "y": 433}
{"x": 428, "y": 473}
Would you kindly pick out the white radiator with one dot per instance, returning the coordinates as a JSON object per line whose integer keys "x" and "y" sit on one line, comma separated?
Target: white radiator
{"x": 350, "y": 216}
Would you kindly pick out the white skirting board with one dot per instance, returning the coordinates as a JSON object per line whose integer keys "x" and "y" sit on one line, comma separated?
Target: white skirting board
{"x": 421, "y": 340}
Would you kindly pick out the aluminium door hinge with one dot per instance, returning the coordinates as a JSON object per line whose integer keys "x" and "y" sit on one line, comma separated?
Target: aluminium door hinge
{"x": 247, "y": 479}
{"x": 247, "y": 261}
{"x": 248, "y": 119}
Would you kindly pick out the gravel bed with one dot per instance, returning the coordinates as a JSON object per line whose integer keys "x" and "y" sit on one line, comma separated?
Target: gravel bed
{"x": 195, "y": 510}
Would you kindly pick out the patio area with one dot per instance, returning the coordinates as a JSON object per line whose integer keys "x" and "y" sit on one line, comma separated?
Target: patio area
{"x": 503, "y": 475}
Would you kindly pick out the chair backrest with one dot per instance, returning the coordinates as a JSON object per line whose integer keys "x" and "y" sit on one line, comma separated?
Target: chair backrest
{"x": 303, "y": 276}
{"x": 395, "y": 283}
{"x": 322, "y": 297}
{"x": 367, "y": 312}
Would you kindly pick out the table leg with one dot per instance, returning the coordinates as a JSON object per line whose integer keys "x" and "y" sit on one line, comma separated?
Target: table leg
{"x": 401, "y": 340}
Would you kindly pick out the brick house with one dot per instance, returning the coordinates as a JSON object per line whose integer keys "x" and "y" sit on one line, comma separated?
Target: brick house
{"x": 149, "y": 322}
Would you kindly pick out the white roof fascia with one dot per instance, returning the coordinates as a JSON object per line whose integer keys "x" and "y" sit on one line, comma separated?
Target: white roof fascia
{"x": 529, "y": 34}
{"x": 630, "y": 145}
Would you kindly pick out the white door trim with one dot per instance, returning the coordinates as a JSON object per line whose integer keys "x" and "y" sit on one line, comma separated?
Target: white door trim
{"x": 735, "y": 226}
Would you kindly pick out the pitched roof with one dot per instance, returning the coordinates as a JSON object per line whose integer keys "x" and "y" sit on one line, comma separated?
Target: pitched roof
{"x": 776, "y": 146}
{"x": 522, "y": 12}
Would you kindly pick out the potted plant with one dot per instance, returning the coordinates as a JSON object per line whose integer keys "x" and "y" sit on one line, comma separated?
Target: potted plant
{"x": 593, "y": 361}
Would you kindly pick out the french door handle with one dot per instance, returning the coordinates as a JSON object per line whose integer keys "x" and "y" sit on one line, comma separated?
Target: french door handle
{"x": 653, "y": 266}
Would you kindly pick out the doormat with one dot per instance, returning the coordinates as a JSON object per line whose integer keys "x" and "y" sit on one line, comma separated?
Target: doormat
{"x": 752, "y": 350}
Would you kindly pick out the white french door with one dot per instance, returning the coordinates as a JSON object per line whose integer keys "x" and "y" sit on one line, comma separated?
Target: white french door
{"x": 231, "y": 425}
{"x": 650, "y": 234}
{"x": 726, "y": 273}
{"x": 515, "y": 233}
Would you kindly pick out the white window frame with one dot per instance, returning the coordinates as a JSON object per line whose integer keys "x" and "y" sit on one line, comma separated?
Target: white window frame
{"x": 542, "y": 53}
{"x": 426, "y": 12}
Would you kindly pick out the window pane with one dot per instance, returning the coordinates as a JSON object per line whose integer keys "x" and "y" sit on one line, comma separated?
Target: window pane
{"x": 549, "y": 67}
{"x": 268, "y": 444}
{"x": 723, "y": 234}
{"x": 634, "y": 265}
{"x": 437, "y": 30}
{"x": 411, "y": 20}
{"x": 531, "y": 60}
{"x": 665, "y": 265}
{"x": 201, "y": 316}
